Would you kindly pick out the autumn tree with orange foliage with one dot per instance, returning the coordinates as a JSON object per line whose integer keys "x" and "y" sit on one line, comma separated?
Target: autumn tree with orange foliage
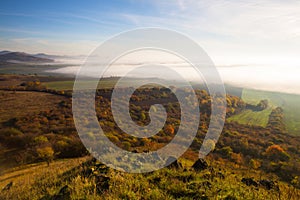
{"x": 170, "y": 130}
{"x": 276, "y": 152}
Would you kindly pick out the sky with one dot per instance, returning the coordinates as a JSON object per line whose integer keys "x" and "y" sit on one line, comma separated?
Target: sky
{"x": 232, "y": 32}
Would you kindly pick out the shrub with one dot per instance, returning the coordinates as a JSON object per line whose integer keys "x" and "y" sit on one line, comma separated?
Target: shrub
{"x": 225, "y": 151}
{"x": 45, "y": 154}
{"x": 170, "y": 130}
{"x": 254, "y": 164}
{"x": 276, "y": 153}
{"x": 40, "y": 140}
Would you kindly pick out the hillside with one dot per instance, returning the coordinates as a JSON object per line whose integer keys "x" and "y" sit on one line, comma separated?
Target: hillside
{"x": 14, "y": 57}
{"x": 37, "y": 126}
{"x": 288, "y": 102}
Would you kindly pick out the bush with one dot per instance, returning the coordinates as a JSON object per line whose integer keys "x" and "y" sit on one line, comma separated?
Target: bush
{"x": 225, "y": 152}
{"x": 45, "y": 154}
{"x": 40, "y": 140}
{"x": 12, "y": 137}
{"x": 70, "y": 149}
{"x": 276, "y": 153}
{"x": 9, "y": 132}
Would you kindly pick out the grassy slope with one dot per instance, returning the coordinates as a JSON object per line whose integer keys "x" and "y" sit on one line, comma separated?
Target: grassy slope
{"x": 107, "y": 82}
{"x": 21, "y": 104}
{"x": 250, "y": 117}
{"x": 24, "y": 103}
{"x": 39, "y": 180}
{"x": 289, "y": 103}
{"x": 68, "y": 85}
{"x": 33, "y": 181}
{"x": 36, "y": 181}
{"x": 60, "y": 85}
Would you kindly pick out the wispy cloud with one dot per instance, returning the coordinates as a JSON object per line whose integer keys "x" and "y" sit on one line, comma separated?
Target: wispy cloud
{"x": 241, "y": 30}
{"x": 19, "y": 14}
{"x": 263, "y": 19}
{"x": 19, "y": 30}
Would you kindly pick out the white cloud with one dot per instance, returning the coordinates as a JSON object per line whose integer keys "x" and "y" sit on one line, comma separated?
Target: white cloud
{"x": 230, "y": 29}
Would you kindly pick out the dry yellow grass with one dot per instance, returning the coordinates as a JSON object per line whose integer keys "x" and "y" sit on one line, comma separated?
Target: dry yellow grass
{"x": 39, "y": 181}
{"x": 25, "y": 179}
{"x": 24, "y": 103}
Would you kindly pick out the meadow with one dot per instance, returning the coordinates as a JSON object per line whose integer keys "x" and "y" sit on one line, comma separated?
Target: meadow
{"x": 252, "y": 118}
{"x": 288, "y": 102}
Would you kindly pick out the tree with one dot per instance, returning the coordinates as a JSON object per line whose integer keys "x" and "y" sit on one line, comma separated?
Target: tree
{"x": 143, "y": 116}
{"x": 263, "y": 104}
{"x": 45, "y": 154}
{"x": 254, "y": 164}
{"x": 170, "y": 130}
{"x": 39, "y": 140}
{"x": 126, "y": 145}
{"x": 237, "y": 158}
{"x": 277, "y": 153}
{"x": 113, "y": 138}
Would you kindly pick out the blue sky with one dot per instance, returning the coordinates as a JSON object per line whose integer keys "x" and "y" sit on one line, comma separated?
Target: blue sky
{"x": 66, "y": 20}
{"x": 227, "y": 30}
{"x": 31, "y": 25}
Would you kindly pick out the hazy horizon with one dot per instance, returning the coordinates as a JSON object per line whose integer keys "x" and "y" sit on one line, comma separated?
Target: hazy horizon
{"x": 277, "y": 78}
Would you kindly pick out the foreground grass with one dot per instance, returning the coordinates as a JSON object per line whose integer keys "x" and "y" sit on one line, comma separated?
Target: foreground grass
{"x": 221, "y": 181}
{"x": 36, "y": 180}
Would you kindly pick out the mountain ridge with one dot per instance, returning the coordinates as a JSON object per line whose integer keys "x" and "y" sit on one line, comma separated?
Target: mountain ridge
{"x": 15, "y": 57}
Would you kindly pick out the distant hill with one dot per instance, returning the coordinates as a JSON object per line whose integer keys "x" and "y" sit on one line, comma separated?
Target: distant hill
{"x": 47, "y": 56}
{"x": 4, "y": 52}
{"x": 13, "y": 57}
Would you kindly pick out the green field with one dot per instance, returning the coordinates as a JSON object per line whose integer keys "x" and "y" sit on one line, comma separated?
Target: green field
{"x": 289, "y": 102}
{"x": 250, "y": 117}
{"x": 68, "y": 85}
{"x": 107, "y": 82}
{"x": 60, "y": 85}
